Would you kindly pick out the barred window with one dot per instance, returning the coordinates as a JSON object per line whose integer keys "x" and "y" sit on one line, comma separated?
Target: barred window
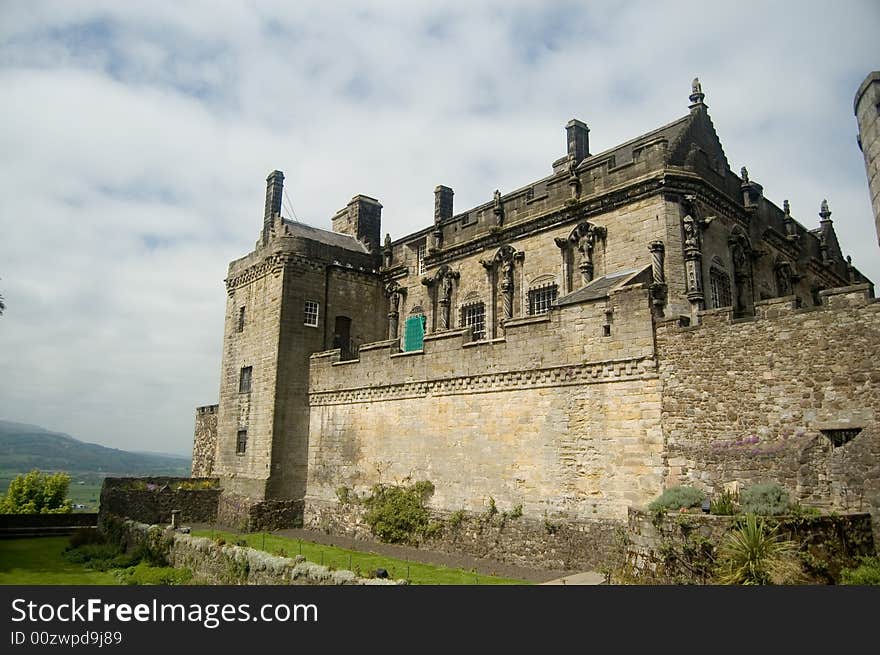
{"x": 541, "y": 298}
{"x": 241, "y": 442}
{"x": 719, "y": 284}
{"x": 311, "y": 313}
{"x": 421, "y": 251}
{"x": 241, "y": 320}
{"x": 244, "y": 382}
{"x": 474, "y": 316}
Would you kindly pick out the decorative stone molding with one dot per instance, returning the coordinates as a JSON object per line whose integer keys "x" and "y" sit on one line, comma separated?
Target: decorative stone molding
{"x": 556, "y": 376}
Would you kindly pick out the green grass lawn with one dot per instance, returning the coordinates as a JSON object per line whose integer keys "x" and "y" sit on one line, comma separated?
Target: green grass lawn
{"x": 39, "y": 562}
{"x": 353, "y": 560}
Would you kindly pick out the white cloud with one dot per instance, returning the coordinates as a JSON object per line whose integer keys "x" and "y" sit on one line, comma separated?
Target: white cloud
{"x": 135, "y": 143}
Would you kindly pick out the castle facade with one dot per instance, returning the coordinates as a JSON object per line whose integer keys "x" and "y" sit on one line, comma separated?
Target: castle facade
{"x": 639, "y": 318}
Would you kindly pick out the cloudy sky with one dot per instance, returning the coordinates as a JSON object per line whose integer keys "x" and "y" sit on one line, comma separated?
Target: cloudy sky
{"x": 136, "y": 138}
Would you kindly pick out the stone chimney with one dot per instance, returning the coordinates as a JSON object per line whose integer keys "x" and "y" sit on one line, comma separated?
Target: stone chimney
{"x": 578, "y": 135}
{"x": 442, "y": 203}
{"x": 274, "y": 189}
{"x": 362, "y": 219}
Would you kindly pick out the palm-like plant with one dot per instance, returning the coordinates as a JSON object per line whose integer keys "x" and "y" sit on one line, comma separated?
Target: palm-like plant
{"x": 755, "y": 554}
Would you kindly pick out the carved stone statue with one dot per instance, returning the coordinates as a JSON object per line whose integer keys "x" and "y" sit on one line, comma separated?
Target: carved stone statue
{"x": 744, "y": 173}
{"x": 446, "y": 288}
{"x": 507, "y": 273}
{"x": 691, "y": 233}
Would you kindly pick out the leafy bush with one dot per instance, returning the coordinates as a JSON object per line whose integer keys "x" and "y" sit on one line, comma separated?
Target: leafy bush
{"x": 754, "y": 554}
{"x": 866, "y": 573}
{"x": 37, "y": 493}
{"x": 144, "y": 574}
{"x": 676, "y": 498}
{"x": 766, "y": 499}
{"x": 397, "y": 514}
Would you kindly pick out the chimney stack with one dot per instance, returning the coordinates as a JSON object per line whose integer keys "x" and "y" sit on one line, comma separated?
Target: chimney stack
{"x": 274, "y": 188}
{"x": 578, "y": 140}
{"x": 442, "y": 203}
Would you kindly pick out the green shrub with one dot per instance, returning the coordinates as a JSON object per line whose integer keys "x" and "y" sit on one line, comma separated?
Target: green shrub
{"x": 724, "y": 504}
{"x": 753, "y": 554}
{"x": 866, "y": 573}
{"x": 144, "y": 574}
{"x": 676, "y": 498}
{"x": 397, "y": 514}
{"x": 765, "y": 499}
{"x": 456, "y": 519}
{"x": 37, "y": 493}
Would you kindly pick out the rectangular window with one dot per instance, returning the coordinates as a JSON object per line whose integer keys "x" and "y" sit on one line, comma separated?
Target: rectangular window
{"x": 474, "y": 316}
{"x": 421, "y": 251}
{"x": 241, "y": 442}
{"x": 241, "y": 320}
{"x": 541, "y": 298}
{"x": 720, "y": 287}
{"x": 244, "y": 382}
{"x": 414, "y": 333}
{"x": 311, "y": 313}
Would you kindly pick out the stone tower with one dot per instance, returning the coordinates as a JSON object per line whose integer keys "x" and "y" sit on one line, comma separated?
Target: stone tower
{"x": 867, "y": 109}
{"x": 301, "y": 290}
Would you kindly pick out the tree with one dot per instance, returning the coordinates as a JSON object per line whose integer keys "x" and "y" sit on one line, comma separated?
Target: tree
{"x": 37, "y": 493}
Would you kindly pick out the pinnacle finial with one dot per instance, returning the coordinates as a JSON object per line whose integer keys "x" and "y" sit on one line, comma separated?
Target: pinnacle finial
{"x": 824, "y": 212}
{"x": 697, "y": 94}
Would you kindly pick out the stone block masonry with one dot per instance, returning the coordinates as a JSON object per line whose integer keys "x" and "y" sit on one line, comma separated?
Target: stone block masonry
{"x": 562, "y": 423}
{"x": 152, "y": 499}
{"x": 205, "y": 441}
{"x": 536, "y": 543}
{"x": 790, "y": 396}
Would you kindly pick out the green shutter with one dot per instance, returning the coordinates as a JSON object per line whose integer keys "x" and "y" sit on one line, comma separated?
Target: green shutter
{"x": 414, "y": 334}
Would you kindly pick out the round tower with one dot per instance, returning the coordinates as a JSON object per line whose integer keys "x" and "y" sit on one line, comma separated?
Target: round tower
{"x": 867, "y": 109}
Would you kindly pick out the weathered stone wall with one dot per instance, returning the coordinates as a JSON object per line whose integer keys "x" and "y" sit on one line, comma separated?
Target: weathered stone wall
{"x": 151, "y": 499}
{"x": 748, "y": 400}
{"x": 248, "y": 515}
{"x": 205, "y": 442}
{"x": 223, "y": 564}
{"x": 564, "y": 422}
{"x": 681, "y": 548}
{"x": 543, "y": 543}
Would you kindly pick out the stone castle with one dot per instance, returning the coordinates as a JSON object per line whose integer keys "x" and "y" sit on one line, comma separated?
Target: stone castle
{"x": 639, "y": 318}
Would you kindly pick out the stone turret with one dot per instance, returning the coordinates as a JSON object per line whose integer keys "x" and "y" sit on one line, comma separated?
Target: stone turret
{"x": 867, "y": 109}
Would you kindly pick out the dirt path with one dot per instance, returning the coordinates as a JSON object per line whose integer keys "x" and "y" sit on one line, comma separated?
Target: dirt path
{"x": 457, "y": 561}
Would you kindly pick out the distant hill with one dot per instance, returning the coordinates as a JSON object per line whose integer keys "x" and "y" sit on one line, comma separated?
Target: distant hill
{"x": 25, "y": 447}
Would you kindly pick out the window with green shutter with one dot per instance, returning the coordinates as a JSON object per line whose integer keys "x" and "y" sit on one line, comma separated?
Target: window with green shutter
{"x": 414, "y": 334}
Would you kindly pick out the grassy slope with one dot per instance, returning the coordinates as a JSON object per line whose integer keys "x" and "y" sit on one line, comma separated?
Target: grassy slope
{"x": 340, "y": 558}
{"x": 39, "y": 562}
